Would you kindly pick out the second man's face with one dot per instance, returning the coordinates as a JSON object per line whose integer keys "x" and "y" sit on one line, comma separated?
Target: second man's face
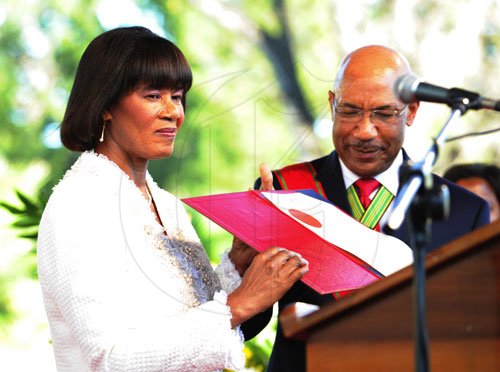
{"x": 368, "y": 143}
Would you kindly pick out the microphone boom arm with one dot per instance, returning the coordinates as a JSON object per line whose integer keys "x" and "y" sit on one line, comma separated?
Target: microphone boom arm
{"x": 424, "y": 204}
{"x": 420, "y": 171}
{"x": 428, "y": 202}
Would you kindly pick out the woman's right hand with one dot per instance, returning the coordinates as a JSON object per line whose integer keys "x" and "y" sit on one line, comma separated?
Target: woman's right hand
{"x": 271, "y": 274}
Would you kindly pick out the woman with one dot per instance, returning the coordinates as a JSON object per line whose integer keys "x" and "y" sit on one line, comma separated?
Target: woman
{"x": 481, "y": 179}
{"x": 126, "y": 282}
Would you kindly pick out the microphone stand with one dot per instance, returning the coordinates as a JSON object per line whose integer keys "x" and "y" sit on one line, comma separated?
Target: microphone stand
{"x": 424, "y": 202}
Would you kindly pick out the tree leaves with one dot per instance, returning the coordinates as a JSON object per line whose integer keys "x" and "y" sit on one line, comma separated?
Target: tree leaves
{"x": 28, "y": 215}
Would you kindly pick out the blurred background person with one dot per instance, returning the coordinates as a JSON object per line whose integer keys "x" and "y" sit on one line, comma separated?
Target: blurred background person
{"x": 481, "y": 179}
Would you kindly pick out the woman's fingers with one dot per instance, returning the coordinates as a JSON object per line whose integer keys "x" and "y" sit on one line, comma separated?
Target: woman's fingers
{"x": 295, "y": 268}
{"x": 278, "y": 267}
{"x": 270, "y": 275}
{"x": 272, "y": 253}
{"x": 290, "y": 266}
{"x": 284, "y": 256}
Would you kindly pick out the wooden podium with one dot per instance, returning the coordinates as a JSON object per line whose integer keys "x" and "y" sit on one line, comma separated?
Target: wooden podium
{"x": 371, "y": 329}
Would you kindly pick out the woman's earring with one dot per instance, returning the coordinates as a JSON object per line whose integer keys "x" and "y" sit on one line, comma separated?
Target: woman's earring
{"x": 102, "y": 134}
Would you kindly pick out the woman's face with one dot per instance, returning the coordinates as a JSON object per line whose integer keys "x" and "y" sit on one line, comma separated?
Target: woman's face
{"x": 143, "y": 124}
{"x": 482, "y": 188}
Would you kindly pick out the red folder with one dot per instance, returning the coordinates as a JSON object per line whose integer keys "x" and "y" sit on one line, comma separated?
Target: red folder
{"x": 257, "y": 222}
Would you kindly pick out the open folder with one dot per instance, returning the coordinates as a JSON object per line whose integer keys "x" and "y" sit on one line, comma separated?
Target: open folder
{"x": 343, "y": 254}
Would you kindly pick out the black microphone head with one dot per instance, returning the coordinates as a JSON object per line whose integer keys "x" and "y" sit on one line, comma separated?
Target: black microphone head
{"x": 405, "y": 88}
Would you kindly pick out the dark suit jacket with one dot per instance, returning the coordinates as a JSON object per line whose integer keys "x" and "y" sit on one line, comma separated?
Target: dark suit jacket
{"x": 467, "y": 212}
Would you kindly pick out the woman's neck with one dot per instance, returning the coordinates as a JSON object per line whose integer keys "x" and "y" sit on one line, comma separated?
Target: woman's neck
{"x": 135, "y": 168}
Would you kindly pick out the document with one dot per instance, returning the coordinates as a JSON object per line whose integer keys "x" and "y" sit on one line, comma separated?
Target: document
{"x": 343, "y": 254}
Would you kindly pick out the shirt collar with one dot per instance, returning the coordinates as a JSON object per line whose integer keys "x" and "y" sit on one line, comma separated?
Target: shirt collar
{"x": 389, "y": 178}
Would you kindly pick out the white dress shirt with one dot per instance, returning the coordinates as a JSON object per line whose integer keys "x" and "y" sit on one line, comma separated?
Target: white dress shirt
{"x": 389, "y": 178}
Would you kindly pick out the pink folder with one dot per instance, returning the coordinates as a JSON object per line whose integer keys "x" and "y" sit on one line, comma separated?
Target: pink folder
{"x": 260, "y": 224}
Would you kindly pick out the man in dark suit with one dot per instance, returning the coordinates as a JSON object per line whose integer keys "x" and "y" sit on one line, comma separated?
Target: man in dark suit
{"x": 369, "y": 125}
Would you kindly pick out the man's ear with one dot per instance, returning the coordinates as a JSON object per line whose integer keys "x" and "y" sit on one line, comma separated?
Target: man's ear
{"x": 331, "y": 100}
{"x": 412, "y": 111}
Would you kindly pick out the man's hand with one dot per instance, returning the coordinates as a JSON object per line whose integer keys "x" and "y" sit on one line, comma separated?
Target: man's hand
{"x": 242, "y": 254}
{"x": 266, "y": 177}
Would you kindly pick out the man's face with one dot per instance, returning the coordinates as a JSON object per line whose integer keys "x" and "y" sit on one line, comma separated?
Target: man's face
{"x": 369, "y": 142}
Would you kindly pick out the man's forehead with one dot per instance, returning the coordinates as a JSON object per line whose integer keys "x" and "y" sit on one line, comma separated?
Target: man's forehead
{"x": 372, "y": 62}
{"x": 367, "y": 92}
{"x": 363, "y": 85}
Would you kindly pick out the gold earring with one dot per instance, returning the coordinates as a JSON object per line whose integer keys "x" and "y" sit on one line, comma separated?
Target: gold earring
{"x": 102, "y": 133}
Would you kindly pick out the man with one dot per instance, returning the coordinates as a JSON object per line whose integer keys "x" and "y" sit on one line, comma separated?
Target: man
{"x": 369, "y": 125}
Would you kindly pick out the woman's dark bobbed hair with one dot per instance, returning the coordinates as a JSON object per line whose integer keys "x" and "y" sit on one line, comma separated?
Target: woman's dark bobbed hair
{"x": 113, "y": 65}
{"x": 488, "y": 172}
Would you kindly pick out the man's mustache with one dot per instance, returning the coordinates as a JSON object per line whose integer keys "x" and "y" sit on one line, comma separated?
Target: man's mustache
{"x": 363, "y": 146}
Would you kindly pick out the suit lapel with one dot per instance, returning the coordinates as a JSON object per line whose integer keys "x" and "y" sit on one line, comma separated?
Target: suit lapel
{"x": 330, "y": 175}
{"x": 401, "y": 233}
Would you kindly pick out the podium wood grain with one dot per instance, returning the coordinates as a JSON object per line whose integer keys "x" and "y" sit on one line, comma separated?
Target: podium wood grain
{"x": 371, "y": 330}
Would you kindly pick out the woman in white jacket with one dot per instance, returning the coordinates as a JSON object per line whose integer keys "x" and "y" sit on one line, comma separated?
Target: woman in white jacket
{"x": 126, "y": 283}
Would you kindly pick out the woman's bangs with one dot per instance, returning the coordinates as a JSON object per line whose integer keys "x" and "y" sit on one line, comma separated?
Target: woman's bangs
{"x": 160, "y": 67}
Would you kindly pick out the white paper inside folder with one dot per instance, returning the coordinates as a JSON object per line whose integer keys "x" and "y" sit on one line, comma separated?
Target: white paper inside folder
{"x": 384, "y": 253}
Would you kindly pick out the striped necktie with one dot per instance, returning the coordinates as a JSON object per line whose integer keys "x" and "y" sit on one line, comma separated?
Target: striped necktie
{"x": 368, "y": 212}
{"x": 365, "y": 187}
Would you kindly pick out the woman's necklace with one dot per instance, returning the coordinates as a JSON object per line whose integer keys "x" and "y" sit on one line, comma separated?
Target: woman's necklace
{"x": 149, "y": 196}
{"x": 152, "y": 206}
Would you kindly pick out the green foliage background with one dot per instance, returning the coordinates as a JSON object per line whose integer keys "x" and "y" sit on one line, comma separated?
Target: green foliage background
{"x": 262, "y": 70}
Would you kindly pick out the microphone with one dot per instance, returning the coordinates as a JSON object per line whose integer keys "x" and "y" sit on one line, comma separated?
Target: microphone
{"x": 409, "y": 89}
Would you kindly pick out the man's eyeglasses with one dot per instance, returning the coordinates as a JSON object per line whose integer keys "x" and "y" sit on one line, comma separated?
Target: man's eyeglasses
{"x": 381, "y": 116}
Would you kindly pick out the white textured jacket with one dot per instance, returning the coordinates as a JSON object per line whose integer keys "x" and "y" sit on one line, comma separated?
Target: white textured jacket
{"x": 121, "y": 295}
